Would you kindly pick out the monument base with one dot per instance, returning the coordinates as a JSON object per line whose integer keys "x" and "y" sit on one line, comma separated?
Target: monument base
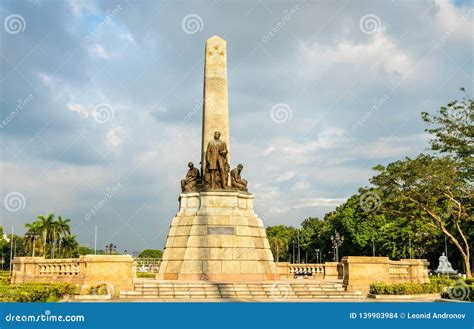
{"x": 216, "y": 236}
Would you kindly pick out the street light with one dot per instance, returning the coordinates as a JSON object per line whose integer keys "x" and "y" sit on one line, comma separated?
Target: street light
{"x": 110, "y": 248}
{"x": 318, "y": 256}
{"x": 336, "y": 241}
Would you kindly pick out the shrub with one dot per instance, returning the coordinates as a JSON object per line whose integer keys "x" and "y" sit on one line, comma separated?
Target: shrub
{"x": 36, "y": 292}
{"x": 460, "y": 290}
{"x": 148, "y": 275}
{"x": 434, "y": 286}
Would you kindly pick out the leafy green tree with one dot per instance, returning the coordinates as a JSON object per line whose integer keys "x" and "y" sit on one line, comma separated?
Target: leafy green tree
{"x": 69, "y": 246}
{"x": 453, "y": 131}
{"x": 61, "y": 229}
{"x": 33, "y": 233}
{"x": 151, "y": 253}
{"x": 430, "y": 189}
{"x": 46, "y": 225}
{"x": 279, "y": 238}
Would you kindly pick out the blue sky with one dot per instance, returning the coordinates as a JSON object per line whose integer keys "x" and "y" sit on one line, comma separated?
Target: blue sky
{"x": 111, "y": 92}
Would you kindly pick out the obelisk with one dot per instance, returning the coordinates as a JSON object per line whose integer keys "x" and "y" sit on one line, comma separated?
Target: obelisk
{"x": 216, "y": 235}
{"x": 215, "y": 102}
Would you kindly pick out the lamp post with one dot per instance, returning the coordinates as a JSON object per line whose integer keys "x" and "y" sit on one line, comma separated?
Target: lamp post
{"x": 336, "y": 241}
{"x": 318, "y": 256}
{"x": 110, "y": 248}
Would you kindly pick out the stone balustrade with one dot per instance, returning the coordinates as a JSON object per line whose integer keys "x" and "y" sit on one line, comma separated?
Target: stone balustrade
{"x": 328, "y": 270}
{"x": 116, "y": 271}
{"x": 361, "y": 271}
{"x": 306, "y": 269}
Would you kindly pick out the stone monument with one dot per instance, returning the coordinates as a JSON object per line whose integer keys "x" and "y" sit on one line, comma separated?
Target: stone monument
{"x": 216, "y": 235}
{"x": 445, "y": 266}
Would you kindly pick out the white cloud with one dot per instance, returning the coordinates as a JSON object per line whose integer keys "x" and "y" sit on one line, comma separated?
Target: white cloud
{"x": 318, "y": 202}
{"x": 115, "y": 136}
{"x": 78, "y": 108}
{"x": 379, "y": 48}
{"x": 99, "y": 50}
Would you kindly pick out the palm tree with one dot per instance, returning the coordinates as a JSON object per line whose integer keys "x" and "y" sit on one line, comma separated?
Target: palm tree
{"x": 69, "y": 246}
{"x": 45, "y": 224}
{"x": 279, "y": 241}
{"x": 34, "y": 230}
{"x": 61, "y": 229}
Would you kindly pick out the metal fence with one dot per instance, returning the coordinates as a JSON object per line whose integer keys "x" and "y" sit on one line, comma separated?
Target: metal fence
{"x": 147, "y": 265}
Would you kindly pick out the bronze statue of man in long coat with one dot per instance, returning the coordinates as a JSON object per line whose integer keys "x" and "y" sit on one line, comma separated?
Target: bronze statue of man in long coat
{"x": 216, "y": 158}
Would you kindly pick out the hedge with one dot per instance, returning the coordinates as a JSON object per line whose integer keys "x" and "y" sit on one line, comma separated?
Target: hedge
{"x": 36, "y": 292}
{"x": 436, "y": 285}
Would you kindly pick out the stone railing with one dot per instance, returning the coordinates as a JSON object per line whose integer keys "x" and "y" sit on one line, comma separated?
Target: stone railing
{"x": 329, "y": 270}
{"x": 361, "y": 271}
{"x": 65, "y": 267}
{"x": 306, "y": 270}
{"x": 116, "y": 271}
{"x": 147, "y": 265}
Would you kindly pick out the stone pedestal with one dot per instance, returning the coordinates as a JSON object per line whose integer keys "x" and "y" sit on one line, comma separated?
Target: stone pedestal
{"x": 216, "y": 236}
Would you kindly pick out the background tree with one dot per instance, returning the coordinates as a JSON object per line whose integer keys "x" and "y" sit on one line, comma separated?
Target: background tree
{"x": 69, "y": 246}
{"x": 280, "y": 237}
{"x": 430, "y": 189}
{"x": 151, "y": 253}
{"x": 452, "y": 128}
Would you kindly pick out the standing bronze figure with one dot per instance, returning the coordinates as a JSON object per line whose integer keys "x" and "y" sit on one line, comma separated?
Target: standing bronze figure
{"x": 216, "y": 159}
